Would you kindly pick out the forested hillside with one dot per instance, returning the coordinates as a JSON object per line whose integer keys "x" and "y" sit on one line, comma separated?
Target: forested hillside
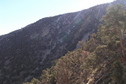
{"x": 83, "y": 47}
{"x": 101, "y": 60}
{"x": 26, "y": 52}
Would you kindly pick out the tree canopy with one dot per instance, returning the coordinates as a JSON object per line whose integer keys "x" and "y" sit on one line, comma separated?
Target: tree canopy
{"x": 101, "y": 60}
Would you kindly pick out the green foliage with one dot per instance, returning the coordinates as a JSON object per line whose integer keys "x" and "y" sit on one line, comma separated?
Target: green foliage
{"x": 33, "y": 81}
{"x": 114, "y": 25}
{"x": 101, "y": 60}
{"x": 48, "y": 76}
{"x": 68, "y": 68}
{"x": 117, "y": 73}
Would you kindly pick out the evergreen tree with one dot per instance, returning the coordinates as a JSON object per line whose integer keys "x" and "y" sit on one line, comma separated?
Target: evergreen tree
{"x": 114, "y": 26}
{"x": 100, "y": 61}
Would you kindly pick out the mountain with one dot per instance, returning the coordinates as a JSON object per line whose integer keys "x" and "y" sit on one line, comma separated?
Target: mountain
{"x": 26, "y": 52}
{"x": 100, "y": 60}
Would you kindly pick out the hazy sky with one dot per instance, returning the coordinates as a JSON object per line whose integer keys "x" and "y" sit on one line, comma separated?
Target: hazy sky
{"x": 16, "y": 14}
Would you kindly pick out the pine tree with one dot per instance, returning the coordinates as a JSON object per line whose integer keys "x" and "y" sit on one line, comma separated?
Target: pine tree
{"x": 114, "y": 26}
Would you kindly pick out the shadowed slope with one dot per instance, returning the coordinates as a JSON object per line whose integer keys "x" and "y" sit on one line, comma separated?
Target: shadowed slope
{"x": 26, "y": 52}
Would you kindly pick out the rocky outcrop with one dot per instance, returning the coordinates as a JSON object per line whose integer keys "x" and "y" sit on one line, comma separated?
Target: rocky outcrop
{"x": 26, "y": 52}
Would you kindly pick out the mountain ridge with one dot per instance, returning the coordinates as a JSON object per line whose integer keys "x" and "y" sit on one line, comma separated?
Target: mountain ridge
{"x": 26, "y": 52}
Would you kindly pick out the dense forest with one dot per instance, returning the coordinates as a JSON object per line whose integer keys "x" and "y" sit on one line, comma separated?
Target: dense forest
{"x": 100, "y": 60}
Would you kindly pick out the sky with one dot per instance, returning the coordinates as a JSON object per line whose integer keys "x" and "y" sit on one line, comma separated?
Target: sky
{"x": 16, "y": 14}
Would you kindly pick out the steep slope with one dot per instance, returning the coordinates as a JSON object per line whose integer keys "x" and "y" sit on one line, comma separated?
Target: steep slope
{"x": 26, "y": 52}
{"x": 100, "y": 60}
